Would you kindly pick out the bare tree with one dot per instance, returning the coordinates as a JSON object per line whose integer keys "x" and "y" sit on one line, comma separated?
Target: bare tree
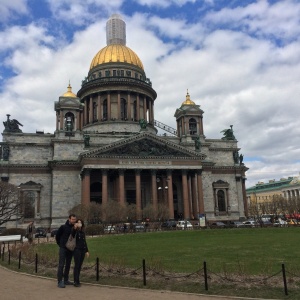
{"x": 253, "y": 210}
{"x": 149, "y": 212}
{"x": 113, "y": 211}
{"x": 95, "y": 212}
{"x": 90, "y": 213}
{"x": 162, "y": 212}
{"x": 81, "y": 211}
{"x": 10, "y": 203}
{"x": 131, "y": 212}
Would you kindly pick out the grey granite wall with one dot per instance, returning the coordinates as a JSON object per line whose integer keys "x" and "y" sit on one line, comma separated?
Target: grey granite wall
{"x": 66, "y": 194}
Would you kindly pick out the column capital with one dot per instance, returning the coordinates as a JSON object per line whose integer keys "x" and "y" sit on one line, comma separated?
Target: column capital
{"x": 153, "y": 172}
{"x": 199, "y": 172}
{"x": 169, "y": 172}
{"x": 121, "y": 171}
{"x": 86, "y": 172}
{"x": 104, "y": 171}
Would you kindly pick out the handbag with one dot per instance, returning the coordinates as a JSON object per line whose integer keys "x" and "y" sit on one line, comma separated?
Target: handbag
{"x": 71, "y": 242}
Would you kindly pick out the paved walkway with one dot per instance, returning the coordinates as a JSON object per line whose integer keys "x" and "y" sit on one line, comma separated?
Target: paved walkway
{"x": 15, "y": 286}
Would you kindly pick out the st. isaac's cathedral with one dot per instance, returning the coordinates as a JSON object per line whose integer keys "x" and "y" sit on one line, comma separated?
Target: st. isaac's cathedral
{"x": 106, "y": 148}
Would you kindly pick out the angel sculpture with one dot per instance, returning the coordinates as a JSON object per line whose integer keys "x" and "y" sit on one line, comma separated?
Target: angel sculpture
{"x": 228, "y": 134}
{"x": 12, "y": 125}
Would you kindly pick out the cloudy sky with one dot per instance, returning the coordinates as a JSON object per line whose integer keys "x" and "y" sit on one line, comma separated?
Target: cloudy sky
{"x": 240, "y": 60}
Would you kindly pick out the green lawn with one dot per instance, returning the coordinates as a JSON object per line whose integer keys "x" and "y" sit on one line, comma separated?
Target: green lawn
{"x": 250, "y": 251}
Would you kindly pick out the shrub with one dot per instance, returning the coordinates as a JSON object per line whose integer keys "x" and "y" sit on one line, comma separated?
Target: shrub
{"x": 94, "y": 229}
{"x": 14, "y": 231}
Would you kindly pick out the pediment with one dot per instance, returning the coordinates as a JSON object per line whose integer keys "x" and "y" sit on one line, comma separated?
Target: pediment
{"x": 144, "y": 145}
{"x": 220, "y": 184}
{"x": 29, "y": 183}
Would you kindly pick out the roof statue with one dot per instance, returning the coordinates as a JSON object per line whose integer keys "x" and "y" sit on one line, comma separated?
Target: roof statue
{"x": 197, "y": 144}
{"x": 236, "y": 157}
{"x": 143, "y": 123}
{"x": 228, "y": 134}
{"x": 241, "y": 159}
{"x": 11, "y": 125}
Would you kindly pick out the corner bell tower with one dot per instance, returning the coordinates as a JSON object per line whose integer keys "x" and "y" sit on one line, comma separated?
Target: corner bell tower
{"x": 189, "y": 118}
{"x": 68, "y": 114}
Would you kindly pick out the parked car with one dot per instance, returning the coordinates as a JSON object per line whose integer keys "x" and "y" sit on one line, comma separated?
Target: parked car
{"x": 138, "y": 227}
{"x": 184, "y": 225}
{"x": 280, "y": 223}
{"x": 40, "y": 232}
{"x": 266, "y": 223}
{"x": 169, "y": 224}
{"x": 53, "y": 232}
{"x": 236, "y": 224}
{"x": 217, "y": 225}
{"x": 109, "y": 229}
{"x": 251, "y": 223}
{"x": 291, "y": 222}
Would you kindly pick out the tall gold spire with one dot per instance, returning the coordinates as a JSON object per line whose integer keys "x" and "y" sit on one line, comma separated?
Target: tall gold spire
{"x": 188, "y": 100}
{"x": 69, "y": 93}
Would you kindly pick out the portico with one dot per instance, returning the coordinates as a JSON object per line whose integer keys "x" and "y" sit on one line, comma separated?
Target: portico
{"x": 179, "y": 189}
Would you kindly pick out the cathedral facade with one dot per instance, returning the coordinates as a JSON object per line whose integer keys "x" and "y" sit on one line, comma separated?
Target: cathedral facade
{"x": 106, "y": 148}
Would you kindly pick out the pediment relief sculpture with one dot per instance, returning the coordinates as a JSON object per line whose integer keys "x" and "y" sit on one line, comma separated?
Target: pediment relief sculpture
{"x": 144, "y": 148}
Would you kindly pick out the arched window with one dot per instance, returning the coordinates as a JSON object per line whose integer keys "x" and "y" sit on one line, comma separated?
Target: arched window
{"x": 123, "y": 109}
{"x": 221, "y": 200}
{"x": 29, "y": 203}
{"x": 105, "y": 109}
{"x": 193, "y": 126}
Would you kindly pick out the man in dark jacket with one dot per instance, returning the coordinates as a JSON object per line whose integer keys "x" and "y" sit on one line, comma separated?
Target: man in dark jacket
{"x": 65, "y": 255}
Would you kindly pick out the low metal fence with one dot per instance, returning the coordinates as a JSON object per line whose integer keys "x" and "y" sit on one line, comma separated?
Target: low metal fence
{"x": 202, "y": 275}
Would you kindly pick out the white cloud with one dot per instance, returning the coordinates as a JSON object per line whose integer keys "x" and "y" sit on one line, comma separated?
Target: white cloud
{"x": 43, "y": 74}
{"x": 80, "y": 12}
{"x": 279, "y": 20}
{"x": 11, "y": 8}
{"x": 164, "y": 3}
{"x": 178, "y": 29}
{"x": 25, "y": 37}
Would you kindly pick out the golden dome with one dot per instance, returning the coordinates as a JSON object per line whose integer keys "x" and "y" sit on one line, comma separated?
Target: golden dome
{"x": 69, "y": 93}
{"x": 116, "y": 53}
{"x": 188, "y": 100}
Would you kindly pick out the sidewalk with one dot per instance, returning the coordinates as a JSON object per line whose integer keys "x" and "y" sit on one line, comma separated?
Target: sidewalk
{"x": 15, "y": 285}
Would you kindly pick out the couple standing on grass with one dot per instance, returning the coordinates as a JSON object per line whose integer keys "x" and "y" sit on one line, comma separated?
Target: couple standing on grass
{"x": 75, "y": 227}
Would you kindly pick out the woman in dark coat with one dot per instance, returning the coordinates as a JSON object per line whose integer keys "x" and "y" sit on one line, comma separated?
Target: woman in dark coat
{"x": 81, "y": 250}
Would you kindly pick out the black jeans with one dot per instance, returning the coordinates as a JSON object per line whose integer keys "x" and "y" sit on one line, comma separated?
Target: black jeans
{"x": 79, "y": 255}
{"x": 65, "y": 258}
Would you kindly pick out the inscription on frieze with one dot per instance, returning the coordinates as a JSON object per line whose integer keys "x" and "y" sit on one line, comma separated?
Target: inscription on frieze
{"x": 127, "y": 162}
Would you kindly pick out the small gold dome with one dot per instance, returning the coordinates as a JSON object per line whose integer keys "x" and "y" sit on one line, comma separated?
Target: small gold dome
{"x": 188, "y": 100}
{"x": 116, "y": 53}
{"x": 69, "y": 93}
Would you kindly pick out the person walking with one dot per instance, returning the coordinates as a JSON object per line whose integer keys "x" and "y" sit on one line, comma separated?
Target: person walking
{"x": 65, "y": 255}
{"x": 29, "y": 232}
{"x": 81, "y": 250}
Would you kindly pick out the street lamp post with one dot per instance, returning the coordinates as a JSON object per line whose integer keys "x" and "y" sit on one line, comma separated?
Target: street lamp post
{"x": 162, "y": 188}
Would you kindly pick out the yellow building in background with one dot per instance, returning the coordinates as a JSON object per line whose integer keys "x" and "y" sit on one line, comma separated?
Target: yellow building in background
{"x": 261, "y": 196}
